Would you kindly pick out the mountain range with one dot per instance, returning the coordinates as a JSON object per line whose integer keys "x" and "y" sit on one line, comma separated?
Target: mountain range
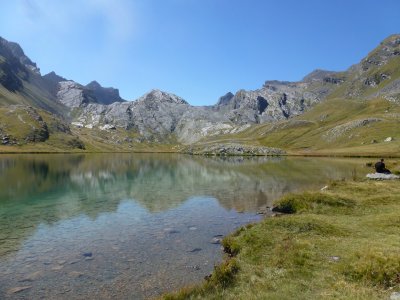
{"x": 353, "y": 112}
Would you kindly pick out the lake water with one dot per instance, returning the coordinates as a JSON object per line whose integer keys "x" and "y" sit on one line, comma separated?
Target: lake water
{"x": 132, "y": 226}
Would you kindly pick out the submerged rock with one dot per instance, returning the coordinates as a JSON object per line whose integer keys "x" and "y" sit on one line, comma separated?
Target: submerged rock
{"x": 195, "y": 250}
{"x": 87, "y": 254}
{"x": 76, "y": 274}
{"x": 171, "y": 231}
{"x": 32, "y": 277}
{"x": 18, "y": 289}
{"x": 216, "y": 240}
{"x": 57, "y": 268}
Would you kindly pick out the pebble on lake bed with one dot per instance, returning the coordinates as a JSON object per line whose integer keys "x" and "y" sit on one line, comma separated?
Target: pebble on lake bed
{"x": 75, "y": 274}
{"x": 18, "y": 289}
{"x": 170, "y": 230}
{"x": 195, "y": 250}
{"x": 32, "y": 276}
{"x": 57, "y": 268}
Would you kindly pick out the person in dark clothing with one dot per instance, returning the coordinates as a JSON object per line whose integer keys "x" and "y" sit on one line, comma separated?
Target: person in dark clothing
{"x": 381, "y": 168}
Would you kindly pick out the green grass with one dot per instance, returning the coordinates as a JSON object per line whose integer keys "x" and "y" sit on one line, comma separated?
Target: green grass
{"x": 311, "y": 135}
{"x": 341, "y": 243}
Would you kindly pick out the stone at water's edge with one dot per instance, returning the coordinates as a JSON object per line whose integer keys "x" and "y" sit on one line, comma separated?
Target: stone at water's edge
{"x": 395, "y": 296}
{"x": 381, "y": 176}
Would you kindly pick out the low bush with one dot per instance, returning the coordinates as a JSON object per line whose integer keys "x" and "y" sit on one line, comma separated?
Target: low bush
{"x": 376, "y": 268}
{"x": 295, "y": 203}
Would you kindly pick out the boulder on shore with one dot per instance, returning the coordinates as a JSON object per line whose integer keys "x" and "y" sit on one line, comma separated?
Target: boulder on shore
{"x": 381, "y": 176}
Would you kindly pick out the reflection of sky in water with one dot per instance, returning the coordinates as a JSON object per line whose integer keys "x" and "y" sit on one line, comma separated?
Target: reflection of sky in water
{"x": 147, "y": 220}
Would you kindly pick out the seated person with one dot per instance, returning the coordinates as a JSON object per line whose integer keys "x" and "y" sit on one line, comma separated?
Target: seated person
{"x": 381, "y": 168}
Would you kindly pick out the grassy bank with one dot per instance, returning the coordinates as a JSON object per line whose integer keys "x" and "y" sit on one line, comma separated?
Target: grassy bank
{"x": 340, "y": 243}
{"x": 335, "y": 127}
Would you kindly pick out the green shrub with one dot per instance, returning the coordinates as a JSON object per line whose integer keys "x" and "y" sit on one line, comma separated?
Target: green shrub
{"x": 376, "y": 268}
{"x": 308, "y": 224}
{"x": 230, "y": 246}
{"x": 224, "y": 273}
{"x": 294, "y": 203}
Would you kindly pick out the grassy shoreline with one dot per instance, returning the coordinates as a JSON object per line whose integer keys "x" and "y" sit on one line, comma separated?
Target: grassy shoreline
{"x": 340, "y": 243}
{"x": 14, "y": 150}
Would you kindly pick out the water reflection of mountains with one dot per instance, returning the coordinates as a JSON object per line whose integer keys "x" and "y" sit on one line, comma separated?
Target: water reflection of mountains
{"x": 38, "y": 189}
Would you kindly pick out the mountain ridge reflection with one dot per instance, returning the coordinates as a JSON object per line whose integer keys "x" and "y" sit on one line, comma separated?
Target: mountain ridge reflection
{"x": 45, "y": 189}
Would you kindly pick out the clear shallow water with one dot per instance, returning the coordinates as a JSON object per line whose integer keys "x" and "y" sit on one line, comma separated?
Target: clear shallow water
{"x": 106, "y": 226}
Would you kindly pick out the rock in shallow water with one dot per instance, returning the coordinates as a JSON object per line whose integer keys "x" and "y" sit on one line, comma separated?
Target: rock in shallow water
{"x": 75, "y": 274}
{"x": 32, "y": 277}
{"x": 57, "y": 268}
{"x": 216, "y": 240}
{"x": 195, "y": 250}
{"x": 18, "y": 289}
{"x": 171, "y": 231}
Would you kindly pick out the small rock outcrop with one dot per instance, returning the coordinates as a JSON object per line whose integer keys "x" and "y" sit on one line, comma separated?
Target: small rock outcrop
{"x": 340, "y": 130}
{"x": 234, "y": 149}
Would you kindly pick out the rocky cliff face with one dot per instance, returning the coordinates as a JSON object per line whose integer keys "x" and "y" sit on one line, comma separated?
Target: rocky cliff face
{"x": 73, "y": 94}
{"x": 274, "y": 101}
{"x": 104, "y": 95}
{"x": 17, "y": 53}
{"x": 11, "y": 68}
{"x": 155, "y": 113}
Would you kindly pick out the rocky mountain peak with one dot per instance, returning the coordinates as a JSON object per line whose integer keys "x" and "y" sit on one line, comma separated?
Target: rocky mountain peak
{"x": 52, "y": 81}
{"x": 53, "y": 77}
{"x": 225, "y": 99}
{"x": 318, "y": 75}
{"x": 103, "y": 95}
{"x": 156, "y": 95}
{"x": 18, "y": 53}
{"x": 93, "y": 85}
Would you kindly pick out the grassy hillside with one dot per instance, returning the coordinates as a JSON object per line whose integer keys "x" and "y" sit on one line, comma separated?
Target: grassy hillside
{"x": 25, "y": 129}
{"x": 33, "y": 94}
{"x": 341, "y": 243}
{"x": 335, "y": 126}
{"x": 354, "y": 119}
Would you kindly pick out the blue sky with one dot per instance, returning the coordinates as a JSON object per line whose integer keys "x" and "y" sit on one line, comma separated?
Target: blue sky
{"x": 197, "y": 49}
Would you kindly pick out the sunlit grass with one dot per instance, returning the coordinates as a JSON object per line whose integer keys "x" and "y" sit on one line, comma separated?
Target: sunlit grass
{"x": 341, "y": 243}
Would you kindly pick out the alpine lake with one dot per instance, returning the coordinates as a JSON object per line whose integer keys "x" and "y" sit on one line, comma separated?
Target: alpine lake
{"x": 133, "y": 226}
